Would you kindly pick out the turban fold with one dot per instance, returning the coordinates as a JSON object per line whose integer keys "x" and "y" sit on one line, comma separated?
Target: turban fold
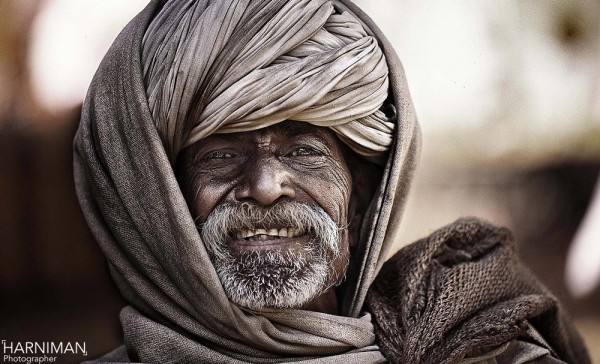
{"x": 235, "y": 65}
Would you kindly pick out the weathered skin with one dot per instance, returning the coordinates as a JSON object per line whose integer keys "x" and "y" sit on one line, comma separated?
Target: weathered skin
{"x": 289, "y": 161}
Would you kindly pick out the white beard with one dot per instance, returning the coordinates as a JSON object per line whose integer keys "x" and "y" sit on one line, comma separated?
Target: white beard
{"x": 276, "y": 278}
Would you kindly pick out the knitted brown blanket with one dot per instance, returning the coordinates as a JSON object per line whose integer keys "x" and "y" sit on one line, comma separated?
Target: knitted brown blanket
{"x": 460, "y": 289}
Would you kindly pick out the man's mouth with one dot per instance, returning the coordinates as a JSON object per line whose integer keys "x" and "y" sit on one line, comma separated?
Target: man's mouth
{"x": 267, "y": 234}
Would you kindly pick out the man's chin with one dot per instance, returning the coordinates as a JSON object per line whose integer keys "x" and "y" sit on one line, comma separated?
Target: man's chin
{"x": 273, "y": 279}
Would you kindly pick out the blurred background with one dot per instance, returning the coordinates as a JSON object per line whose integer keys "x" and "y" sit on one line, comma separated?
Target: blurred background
{"x": 507, "y": 94}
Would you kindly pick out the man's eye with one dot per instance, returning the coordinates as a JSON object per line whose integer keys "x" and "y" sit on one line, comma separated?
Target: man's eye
{"x": 219, "y": 154}
{"x": 304, "y": 151}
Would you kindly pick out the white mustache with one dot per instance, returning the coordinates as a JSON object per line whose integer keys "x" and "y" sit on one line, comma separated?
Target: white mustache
{"x": 286, "y": 219}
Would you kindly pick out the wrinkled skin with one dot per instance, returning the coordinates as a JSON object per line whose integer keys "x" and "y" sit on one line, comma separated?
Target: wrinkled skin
{"x": 289, "y": 161}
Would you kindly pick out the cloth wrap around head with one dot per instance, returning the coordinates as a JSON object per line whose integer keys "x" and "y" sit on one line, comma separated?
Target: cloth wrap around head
{"x": 234, "y": 66}
{"x": 141, "y": 110}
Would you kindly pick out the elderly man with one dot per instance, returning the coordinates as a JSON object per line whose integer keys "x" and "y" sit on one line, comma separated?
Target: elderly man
{"x": 244, "y": 166}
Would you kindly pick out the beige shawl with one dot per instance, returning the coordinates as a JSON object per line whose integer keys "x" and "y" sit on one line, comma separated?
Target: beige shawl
{"x": 133, "y": 204}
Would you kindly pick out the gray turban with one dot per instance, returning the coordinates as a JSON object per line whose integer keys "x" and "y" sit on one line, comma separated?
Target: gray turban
{"x": 233, "y": 65}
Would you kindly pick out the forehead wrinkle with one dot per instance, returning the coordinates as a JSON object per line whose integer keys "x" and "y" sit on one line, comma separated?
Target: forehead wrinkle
{"x": 287, "y": 130}
{"x": 264, "y": 138}
{"x": 293, "y": 129}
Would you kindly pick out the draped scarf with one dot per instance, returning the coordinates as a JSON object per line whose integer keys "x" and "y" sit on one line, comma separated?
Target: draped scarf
{"x": 123, "y": 154}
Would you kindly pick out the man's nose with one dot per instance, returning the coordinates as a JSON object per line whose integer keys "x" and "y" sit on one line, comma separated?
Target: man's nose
{"x": 266, "y": 182}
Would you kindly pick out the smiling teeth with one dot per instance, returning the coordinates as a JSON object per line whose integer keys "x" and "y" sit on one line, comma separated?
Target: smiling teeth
{"x": 263, "y": 234}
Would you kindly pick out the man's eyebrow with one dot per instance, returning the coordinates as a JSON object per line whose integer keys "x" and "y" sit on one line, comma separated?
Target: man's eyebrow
{"x": 300, "y": 129}
{"x": 225, "y": 137}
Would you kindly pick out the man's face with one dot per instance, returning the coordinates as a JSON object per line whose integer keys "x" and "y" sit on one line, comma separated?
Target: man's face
{"x": 272, "y": 209}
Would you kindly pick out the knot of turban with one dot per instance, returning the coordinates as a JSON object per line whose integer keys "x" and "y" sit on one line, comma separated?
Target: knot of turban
{"x": 237, "y": 65}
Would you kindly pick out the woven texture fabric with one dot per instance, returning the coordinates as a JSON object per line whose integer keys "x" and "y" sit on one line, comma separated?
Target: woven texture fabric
{"x": 135, "y": 209}
{"x": 237, "y": 65}
{"x": 460, "y": 289}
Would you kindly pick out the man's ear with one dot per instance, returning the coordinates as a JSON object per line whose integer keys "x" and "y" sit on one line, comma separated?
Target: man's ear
{"x": 365, "y": 180}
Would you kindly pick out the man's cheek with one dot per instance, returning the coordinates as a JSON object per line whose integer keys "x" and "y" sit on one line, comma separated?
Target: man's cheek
{"x": 338, "y": 200}
{"x": 206, "y": 199}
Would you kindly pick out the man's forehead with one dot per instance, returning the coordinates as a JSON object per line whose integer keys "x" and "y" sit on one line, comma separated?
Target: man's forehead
{"x": 280, "y": 131}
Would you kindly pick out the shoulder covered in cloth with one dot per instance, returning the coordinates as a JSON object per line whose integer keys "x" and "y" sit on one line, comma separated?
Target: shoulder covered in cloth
{"x": 461, "y": 289}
